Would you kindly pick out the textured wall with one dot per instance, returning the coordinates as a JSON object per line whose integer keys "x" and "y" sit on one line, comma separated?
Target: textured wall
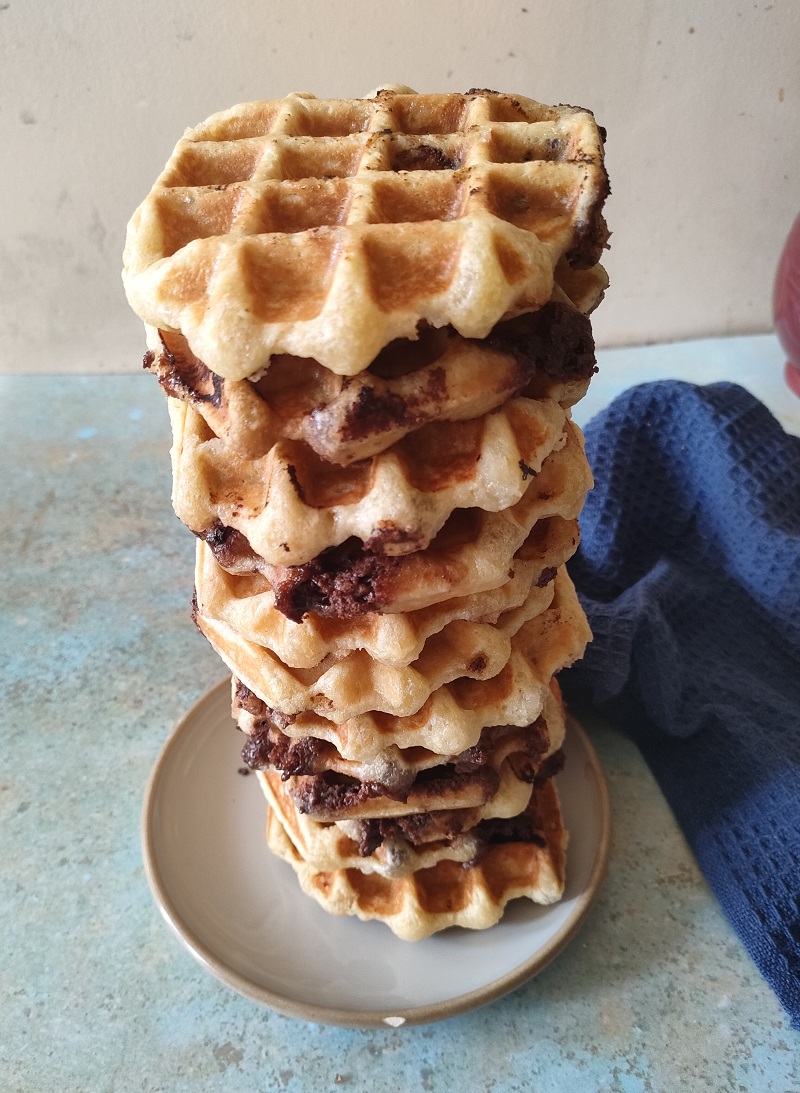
{"x": 700, "y": 100}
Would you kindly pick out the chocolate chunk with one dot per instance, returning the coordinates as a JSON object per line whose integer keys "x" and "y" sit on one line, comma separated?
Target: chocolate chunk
{"x": 424, "y": 827}
{"x": 552, "y": 766}
{"x": 423, "y": 157}
{"x": 374, "y": 412}
{"x": 370, "y": 837}
{"x": 341, "y": 582}
{"x": 183, "y": 375}
{"x": 230, "y": 548}
{"x": 556, "y": 340}
{"x": 331, "y": 793}
{"x": 247, "y": 700}
{"x": 266, "y": 749}
{"x": 546, "y": 576}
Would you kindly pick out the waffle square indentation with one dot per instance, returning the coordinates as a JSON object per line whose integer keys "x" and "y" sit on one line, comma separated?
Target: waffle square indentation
{"x": 320, "y": 157}
{"x": 395, "y": 201}
{"x": 286, "y": 282}
{"x": 331, "y": 118}
{"x": 401, "y": 274}
{"x": 190, "y": 214}
{"x": 429, "y": 114}
{"x": 254, "y": 120}
{"x": 507, "y": 146}
{"x": 298, "y": 206}
{"x": 189, "y": 281}
{"x": 417, "y": 154}
{"x": 210, "y": 164}
{"x": 544, "y": 209}
{"x": 506, "y": 108}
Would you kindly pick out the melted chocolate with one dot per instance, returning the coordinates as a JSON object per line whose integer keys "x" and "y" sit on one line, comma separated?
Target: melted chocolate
{"x": 331, "y": 793}
{"x": 267, "y": 748}
{"x": 247, "y": 700}
{"x": 341, "y": 582}
{"x": 230, "y": 548}
{"x": 556, "y": 339}
{"x": 183, "y": 375}
{"x": 552, "y": 766}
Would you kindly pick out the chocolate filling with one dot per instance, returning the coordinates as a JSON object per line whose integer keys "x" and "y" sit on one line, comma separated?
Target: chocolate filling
{"x": 378, "y": 411}
{"x": 334, "y": 793}
{"x": 552, "y": 766}
{"x": 556, "y": 340}
{"x": 182, "y": 375}
{"x": 267, "y": 747}
{"x": 447, "y": 824}
{"x": 341, "y": 582}
{"x": 247, "y": 700}
{"x": 536, "y": 743}
{"x": 516, "y": 829}
{"x": 417, "y": 829}
{"x": 230, "y": 548}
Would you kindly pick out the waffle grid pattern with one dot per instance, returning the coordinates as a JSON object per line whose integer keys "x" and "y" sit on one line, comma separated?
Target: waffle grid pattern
{"x": 275, "y": 224}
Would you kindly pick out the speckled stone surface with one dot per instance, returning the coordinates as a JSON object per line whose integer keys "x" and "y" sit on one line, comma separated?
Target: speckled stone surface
{"x": 100, "y": 658}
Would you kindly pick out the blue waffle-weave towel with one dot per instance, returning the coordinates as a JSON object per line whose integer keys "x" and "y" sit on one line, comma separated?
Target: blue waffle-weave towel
{"x": 689, "y": 571}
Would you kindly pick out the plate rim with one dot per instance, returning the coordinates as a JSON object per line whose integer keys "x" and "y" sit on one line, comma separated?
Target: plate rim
{"x": 345, "y": 1017}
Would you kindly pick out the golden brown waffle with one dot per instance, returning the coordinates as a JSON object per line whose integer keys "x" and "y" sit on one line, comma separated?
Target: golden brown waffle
{"x": 328, "y": 228}
{"x": 440, "y": 376}
{"x": 474, "y": 552}
{"x": 446, "y": 894}
{"x": 246, "y": 603}
{"x": 327, "y": 845}
{"x": 454, "y": 716}
{"x": 290, "y": 505}
{"x": 267, "y": 747}
{"x": 327, "y": 797}
{"x": 355, "y": 684}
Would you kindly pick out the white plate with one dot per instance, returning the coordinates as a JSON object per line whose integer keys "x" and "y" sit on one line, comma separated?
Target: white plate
{"x": 241, "y": 913}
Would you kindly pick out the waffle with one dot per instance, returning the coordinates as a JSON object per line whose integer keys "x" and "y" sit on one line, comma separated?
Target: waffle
{"x": 268, "y": 748}
{"x": 328, "y": 797}
{"x": 440, "y": 376}
{"x": 290, "y": 505}
{"x": 325, "y": 846}
{"x": 246, "y": 603}
{"x": 454, "y": 716}
{"x": 446, "y": 894}
{"x": 342, "y": 689}
{"x": 328, "y": 228}
{"x": 474, "y": 552}
{"x": 378, "y": 845}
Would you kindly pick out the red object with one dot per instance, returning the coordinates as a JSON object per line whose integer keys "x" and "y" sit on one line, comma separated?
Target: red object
{"x": 786, "y": 305}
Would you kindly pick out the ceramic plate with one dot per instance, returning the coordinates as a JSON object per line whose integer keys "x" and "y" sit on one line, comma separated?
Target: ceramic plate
{"x": 241, "y": 913}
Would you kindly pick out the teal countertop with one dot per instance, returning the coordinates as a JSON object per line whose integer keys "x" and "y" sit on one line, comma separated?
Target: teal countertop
{"x": 100, "y": 658}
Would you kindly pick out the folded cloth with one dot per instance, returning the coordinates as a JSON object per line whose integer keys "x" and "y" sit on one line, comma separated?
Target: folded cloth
{"x": 689, "y": 571}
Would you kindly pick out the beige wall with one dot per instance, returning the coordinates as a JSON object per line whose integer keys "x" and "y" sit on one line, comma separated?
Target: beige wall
{"x": 700, "y": 99}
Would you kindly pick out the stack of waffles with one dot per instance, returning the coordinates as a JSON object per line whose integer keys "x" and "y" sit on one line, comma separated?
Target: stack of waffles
{"x": 370, "y": 319}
